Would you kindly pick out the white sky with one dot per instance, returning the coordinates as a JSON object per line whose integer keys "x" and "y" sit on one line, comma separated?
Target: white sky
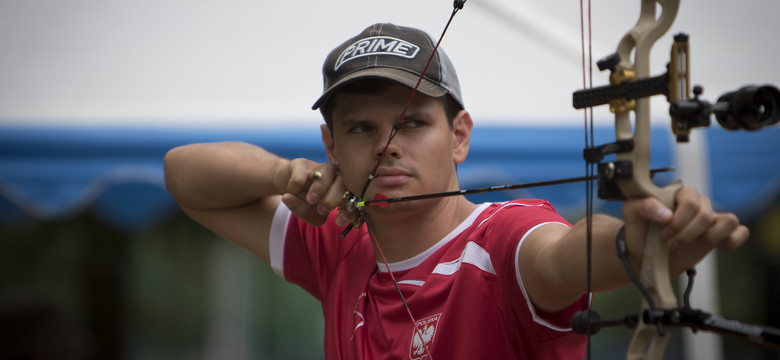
{"x": 243, "y": 63}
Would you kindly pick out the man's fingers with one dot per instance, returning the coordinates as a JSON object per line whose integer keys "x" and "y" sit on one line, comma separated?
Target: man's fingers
{"x": 692, "y": 229}
{"x": 322, "y": 180}
{"x": 331, "y": 198}
{"x": 314, "y": 190}
{"x": 302, "y": 210}
{"x": 646, "y": 209}
{"x": 737, "y": 238}
{"x": 334, "y": 199}
{"x": 345, "y": 217}
{"x": 300, "y": 176}
{"x": 727, "y": 232}
{"x": 693, "y": 217}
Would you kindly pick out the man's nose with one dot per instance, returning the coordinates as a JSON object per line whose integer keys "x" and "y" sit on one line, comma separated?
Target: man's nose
{"x": 387, "y": 145}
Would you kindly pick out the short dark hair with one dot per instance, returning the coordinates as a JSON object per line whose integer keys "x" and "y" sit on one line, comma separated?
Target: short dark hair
{"x": 378, "y": 86}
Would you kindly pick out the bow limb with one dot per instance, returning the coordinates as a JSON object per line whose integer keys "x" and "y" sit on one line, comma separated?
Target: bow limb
{"x": 649, "y": 340}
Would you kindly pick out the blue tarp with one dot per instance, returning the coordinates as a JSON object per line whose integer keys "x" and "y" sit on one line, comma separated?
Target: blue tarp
{"x": 117, "y": 174}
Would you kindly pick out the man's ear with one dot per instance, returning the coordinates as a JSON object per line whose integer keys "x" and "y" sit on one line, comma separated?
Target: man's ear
{"x": 327, "y": 140}
{"x": 461, "y": 132}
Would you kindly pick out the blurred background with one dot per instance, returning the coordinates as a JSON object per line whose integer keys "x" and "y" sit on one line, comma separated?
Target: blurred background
{"x": 97, "y": 262}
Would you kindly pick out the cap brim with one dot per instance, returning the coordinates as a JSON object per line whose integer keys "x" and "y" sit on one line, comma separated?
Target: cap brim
{"x": 400, "y": 76}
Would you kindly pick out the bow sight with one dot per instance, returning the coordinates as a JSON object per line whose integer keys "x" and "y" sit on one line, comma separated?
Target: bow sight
{"x": 749, "y": 108}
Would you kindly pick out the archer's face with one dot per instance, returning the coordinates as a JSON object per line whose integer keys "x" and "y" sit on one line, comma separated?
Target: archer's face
{"x": 420, "y": 159}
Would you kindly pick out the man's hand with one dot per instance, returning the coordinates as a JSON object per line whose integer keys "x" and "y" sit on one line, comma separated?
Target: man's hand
{"x": 692, "y": 230}
{"x": 312, "y": 190}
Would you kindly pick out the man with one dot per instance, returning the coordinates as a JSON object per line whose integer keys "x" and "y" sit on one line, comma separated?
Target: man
{"x": 489, "y": 281}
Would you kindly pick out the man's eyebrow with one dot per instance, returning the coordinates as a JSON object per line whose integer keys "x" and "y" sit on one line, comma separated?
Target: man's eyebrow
{"x": 416, "y": 115}
{"x": 351, "y": 122}
{"x": 411, "y": 114}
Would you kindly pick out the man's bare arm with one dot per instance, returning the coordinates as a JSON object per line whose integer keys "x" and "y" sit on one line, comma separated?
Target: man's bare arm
{"x": 234, "y": 189}
{"x": 553, "y": 259}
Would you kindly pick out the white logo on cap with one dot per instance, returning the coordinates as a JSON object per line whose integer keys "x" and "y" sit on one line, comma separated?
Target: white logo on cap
{"x": 377, "y": 45}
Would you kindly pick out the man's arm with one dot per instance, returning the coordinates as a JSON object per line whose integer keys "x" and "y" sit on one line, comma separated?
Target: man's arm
{"x": 234, "y": 189}
{"x": 553, "y": 258}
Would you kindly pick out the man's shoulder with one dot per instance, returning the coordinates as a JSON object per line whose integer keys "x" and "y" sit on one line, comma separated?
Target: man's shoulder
{"x": 514, "y": 219}
{"x": 515, "y": 208}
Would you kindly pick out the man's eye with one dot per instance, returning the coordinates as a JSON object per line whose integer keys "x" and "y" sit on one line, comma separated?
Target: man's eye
{"x": 360, "y": 129}
{"x": 411, "y": 124}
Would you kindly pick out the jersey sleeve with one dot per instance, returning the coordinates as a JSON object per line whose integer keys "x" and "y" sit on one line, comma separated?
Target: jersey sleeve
{"x": 510, "y": 226}
{"x": 307, "y": 255}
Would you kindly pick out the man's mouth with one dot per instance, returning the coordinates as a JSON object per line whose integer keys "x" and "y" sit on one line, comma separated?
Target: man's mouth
{"x": 391, "y": 177}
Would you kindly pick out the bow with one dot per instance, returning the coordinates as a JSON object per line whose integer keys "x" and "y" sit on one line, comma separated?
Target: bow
{"x": 628, "y": 176}
{"x": 650, "y": 339}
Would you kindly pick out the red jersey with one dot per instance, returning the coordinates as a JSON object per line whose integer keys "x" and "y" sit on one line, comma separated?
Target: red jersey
{"x": 465, "y": 292}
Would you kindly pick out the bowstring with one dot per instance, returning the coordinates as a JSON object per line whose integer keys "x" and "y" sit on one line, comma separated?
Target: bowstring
{"x": 589, "y": 165}
{"x": 397, "y": 126}
{"x": 395, "y": 283}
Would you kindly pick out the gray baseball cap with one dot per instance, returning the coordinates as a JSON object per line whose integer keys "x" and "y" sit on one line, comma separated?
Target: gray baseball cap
{"x": 392, "y": 52}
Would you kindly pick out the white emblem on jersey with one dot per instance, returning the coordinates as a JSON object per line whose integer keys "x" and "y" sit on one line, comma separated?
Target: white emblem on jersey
{"x": 422, "y": 338}
{"x": 362, "y": 320}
